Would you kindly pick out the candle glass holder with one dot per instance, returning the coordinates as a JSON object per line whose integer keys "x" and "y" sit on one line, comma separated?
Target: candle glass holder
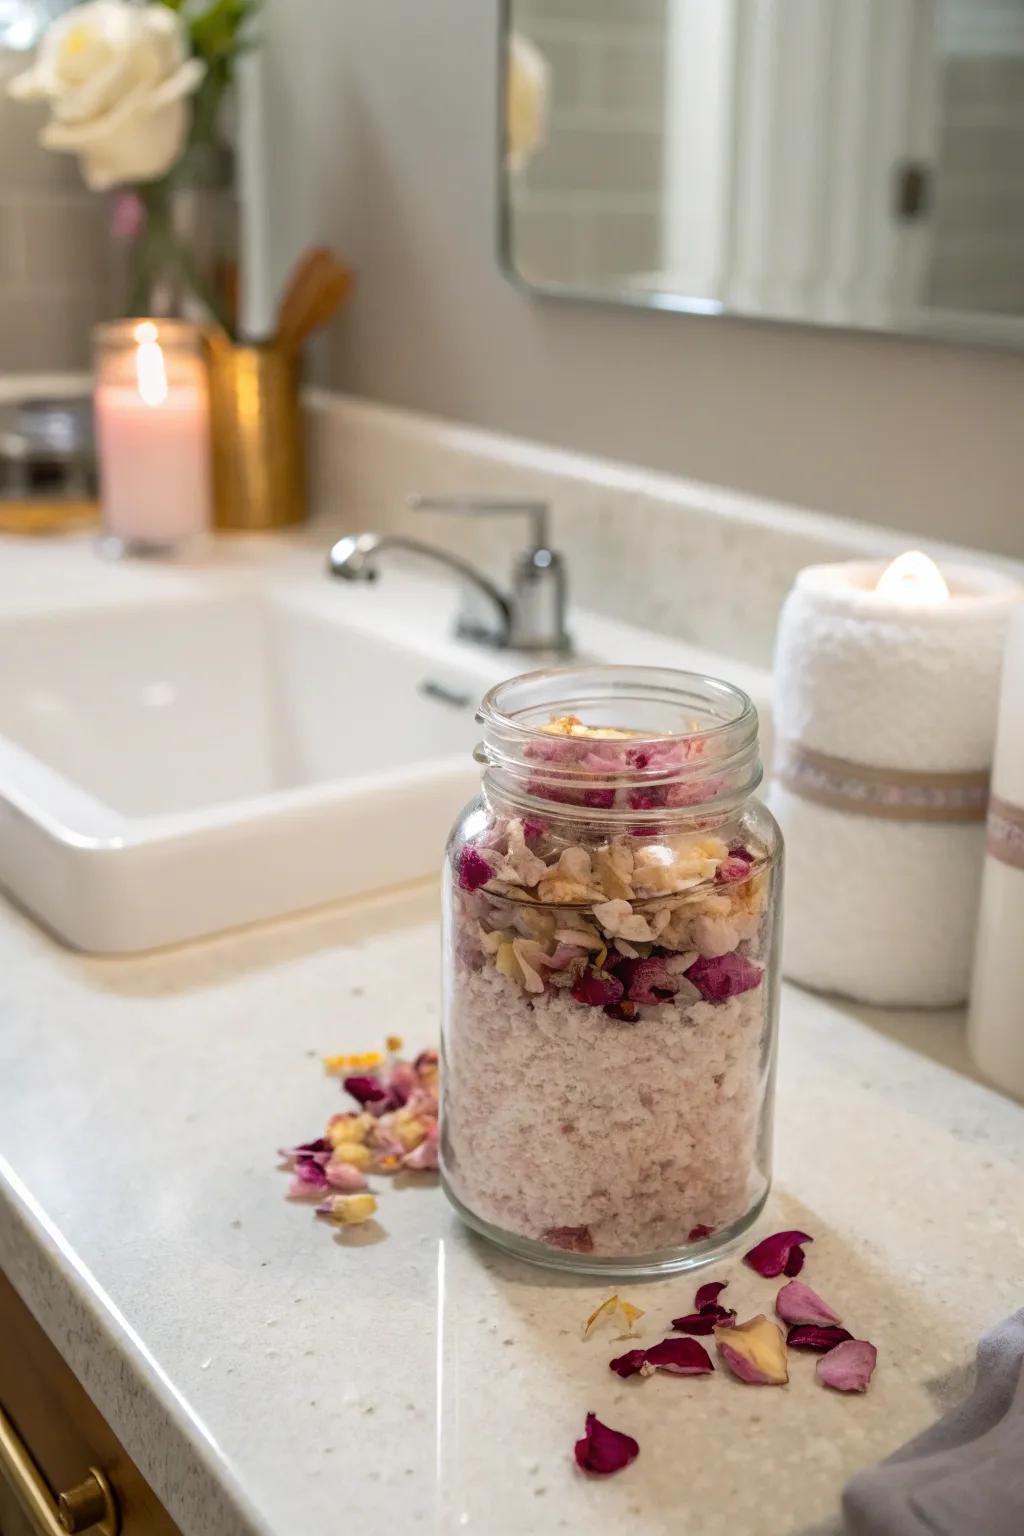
{"x": 152, "y": 436}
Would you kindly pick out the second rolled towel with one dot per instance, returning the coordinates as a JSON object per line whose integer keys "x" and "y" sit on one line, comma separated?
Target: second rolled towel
{"x": 885, "y": 711}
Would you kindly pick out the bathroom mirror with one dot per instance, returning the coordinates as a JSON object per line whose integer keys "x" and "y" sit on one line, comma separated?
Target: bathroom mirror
{"x": 853, "y": 163}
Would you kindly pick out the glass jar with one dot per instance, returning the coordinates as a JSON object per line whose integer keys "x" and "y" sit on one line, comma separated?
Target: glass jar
{"x": 611, "y": 972}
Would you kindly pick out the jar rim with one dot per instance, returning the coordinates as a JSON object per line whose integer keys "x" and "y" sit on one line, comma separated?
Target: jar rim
{"x": 661, "y": 680}
{"x": 689, "y": 740}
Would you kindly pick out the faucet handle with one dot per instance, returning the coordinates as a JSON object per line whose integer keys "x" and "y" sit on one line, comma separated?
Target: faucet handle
{"x": 484, "y": 506}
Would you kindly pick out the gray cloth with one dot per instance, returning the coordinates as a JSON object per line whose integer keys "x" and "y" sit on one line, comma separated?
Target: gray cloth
{"x": 965, "y": 1475}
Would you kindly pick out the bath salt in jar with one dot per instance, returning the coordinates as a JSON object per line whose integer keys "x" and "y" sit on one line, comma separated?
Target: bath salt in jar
{"x": 611, "y": 974}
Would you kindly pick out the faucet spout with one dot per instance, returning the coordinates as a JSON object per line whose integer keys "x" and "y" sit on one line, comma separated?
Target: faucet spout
{"x": 357, "y": 558}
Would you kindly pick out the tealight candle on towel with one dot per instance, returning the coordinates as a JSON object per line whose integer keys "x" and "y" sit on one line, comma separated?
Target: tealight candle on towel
{"x": 886, "y": 685}
{"x": 996, "y": 1020}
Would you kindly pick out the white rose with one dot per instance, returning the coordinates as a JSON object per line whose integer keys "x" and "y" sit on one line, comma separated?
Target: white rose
{"x": 117, "y": 77}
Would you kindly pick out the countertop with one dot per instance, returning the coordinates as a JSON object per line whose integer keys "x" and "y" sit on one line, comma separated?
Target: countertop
{"x": 270, "y": 1375}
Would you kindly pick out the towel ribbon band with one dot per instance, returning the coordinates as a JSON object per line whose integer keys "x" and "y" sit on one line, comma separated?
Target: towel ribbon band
{"x": 1006, "y": 832}
{"x": 889, "y": 794}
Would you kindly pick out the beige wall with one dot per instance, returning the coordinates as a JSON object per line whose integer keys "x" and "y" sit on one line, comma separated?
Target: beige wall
{"x": 53, "y": 246}
{"x": 381, "y": 140}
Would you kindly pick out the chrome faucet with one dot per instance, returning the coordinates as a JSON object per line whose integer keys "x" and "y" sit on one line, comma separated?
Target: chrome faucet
{"x": 530, "y": 617}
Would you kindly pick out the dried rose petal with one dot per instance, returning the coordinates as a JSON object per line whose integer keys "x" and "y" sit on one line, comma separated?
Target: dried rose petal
{"x": 739, "y": 852}
{"x": 797, "y": 1303}
{"x": 777, "y": 1254}
{"x": 705, "y": 1321}
{"x": 366, "y": 1089}
{"x": 625, "y": 1012}
{"x": 698, "y": 1233}
{"x": 680, "y": 1357}
{"x": 708, "y": 1294}
{"x": 629, "y": 1364}
{"x": 849, "y": 1367}
{"x": 647, "y": 981}
{"x": 732, "y": 869}
{"x": 604, "y": 1450}
{"x": 816, "y": 1336}
{"x": 611, "y": 1306}
{"x": 755, "y": 1352}
{"x": 424, "y": 1156}
{"x": 305, "y": 1149}
{"x": 473, "y": 870}
{"x": 598, "y": 988}
{"x": 723, "y": 976}
{"x": 572, "y": 1239}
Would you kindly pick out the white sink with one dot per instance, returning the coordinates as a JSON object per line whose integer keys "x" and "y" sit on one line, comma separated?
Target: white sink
{"x": 174, "y": 767}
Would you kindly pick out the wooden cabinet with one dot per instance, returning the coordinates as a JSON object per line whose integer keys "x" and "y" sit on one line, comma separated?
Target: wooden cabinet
{"x": 52, "y": 1434}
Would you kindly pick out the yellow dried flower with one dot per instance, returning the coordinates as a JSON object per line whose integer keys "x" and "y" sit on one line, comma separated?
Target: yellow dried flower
{"x": 352, "y": 1152}
{"x": 350, "y": 1210}
{"x": 394, "y": 1043}
{"x": 612, "y": 1305}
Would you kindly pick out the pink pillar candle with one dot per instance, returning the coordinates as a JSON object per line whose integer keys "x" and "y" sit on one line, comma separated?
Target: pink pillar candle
{"x": 152, "y": 433}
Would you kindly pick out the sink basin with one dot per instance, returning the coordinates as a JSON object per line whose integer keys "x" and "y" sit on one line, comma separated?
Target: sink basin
{"x": 175, "y": 767}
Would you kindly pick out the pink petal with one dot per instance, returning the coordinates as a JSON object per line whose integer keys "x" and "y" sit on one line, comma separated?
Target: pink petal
{"x": 305, "y": 1150}
{"x": 604, "y": 1450}
{"x": 708, "y": 1294}
{"x": 345, "y": 1177}
{"x": 425, "y": 1155}
{"x": 724, "y": 976}
{"x": 705, "y": 1321}
{"x": 816, "y": 1336}
{"x": 732, "y": 869}
{"x": 849, "y": 1367}
{"x": 647, "y": 981}
{"x": 775, "y": 1254}
{"x": 680, "y": 1357}
{"x": 797, "y": 1303}
{"x": 302, "y": 1188}
{"x": 472, "y": 870}
{"x": 629, "y": 1364}
{"x": 755, "y": 1352}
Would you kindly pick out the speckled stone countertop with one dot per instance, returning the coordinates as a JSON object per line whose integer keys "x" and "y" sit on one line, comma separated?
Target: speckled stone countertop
{"x": 269, "y": 1375}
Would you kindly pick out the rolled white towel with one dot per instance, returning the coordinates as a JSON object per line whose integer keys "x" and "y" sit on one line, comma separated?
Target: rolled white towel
{"x": 885, "y": 716}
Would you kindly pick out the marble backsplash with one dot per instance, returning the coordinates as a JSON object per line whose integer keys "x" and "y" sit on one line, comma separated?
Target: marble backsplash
{"x": 684, "y": 559}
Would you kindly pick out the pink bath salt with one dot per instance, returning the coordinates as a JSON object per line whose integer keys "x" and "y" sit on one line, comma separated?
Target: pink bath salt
{"x": 724, "y": 976}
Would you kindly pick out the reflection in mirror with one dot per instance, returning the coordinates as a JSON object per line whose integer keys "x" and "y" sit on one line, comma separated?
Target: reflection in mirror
{"x": 833, "y": 162}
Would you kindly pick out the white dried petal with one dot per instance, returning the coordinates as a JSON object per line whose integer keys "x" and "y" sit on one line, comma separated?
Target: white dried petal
{"x": 529, "y": 955}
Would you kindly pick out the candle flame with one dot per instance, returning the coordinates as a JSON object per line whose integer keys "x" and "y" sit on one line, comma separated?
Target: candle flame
{"x": 150, "y": 369}
{"x": 913, "y": 578}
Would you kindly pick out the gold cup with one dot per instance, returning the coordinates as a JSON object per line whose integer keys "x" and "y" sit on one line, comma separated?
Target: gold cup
{"x": 259, "y": 462}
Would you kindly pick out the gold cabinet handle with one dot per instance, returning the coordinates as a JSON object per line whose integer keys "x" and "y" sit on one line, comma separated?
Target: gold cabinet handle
{"x": 88, "y": 1509}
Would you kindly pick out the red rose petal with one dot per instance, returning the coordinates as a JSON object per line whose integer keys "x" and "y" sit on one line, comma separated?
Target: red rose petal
{"x": 816, "y": 1336}
{"x": 604, "y": 1450}
{"x": 775, "y": 1254}
{"x": 680, "y": 1357}
{"x": 732, "y": 869}
{"x": 366, "y": 1089}
{"x": 572, "y": 1239}
{"x": 797, "y": 1303}
{"x": 724, "y": 976}
{"x": 849, "y": 1367}
{"x": 705, "y": 1321}
{"x": 708, "y": 1294}
{"x": 598, "y": 988}
{"x": 472, "y": 870}
{"x": 629, "y": 1364}
{"x": 698, "y": 1233}
{"x": 647, "y": 981}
